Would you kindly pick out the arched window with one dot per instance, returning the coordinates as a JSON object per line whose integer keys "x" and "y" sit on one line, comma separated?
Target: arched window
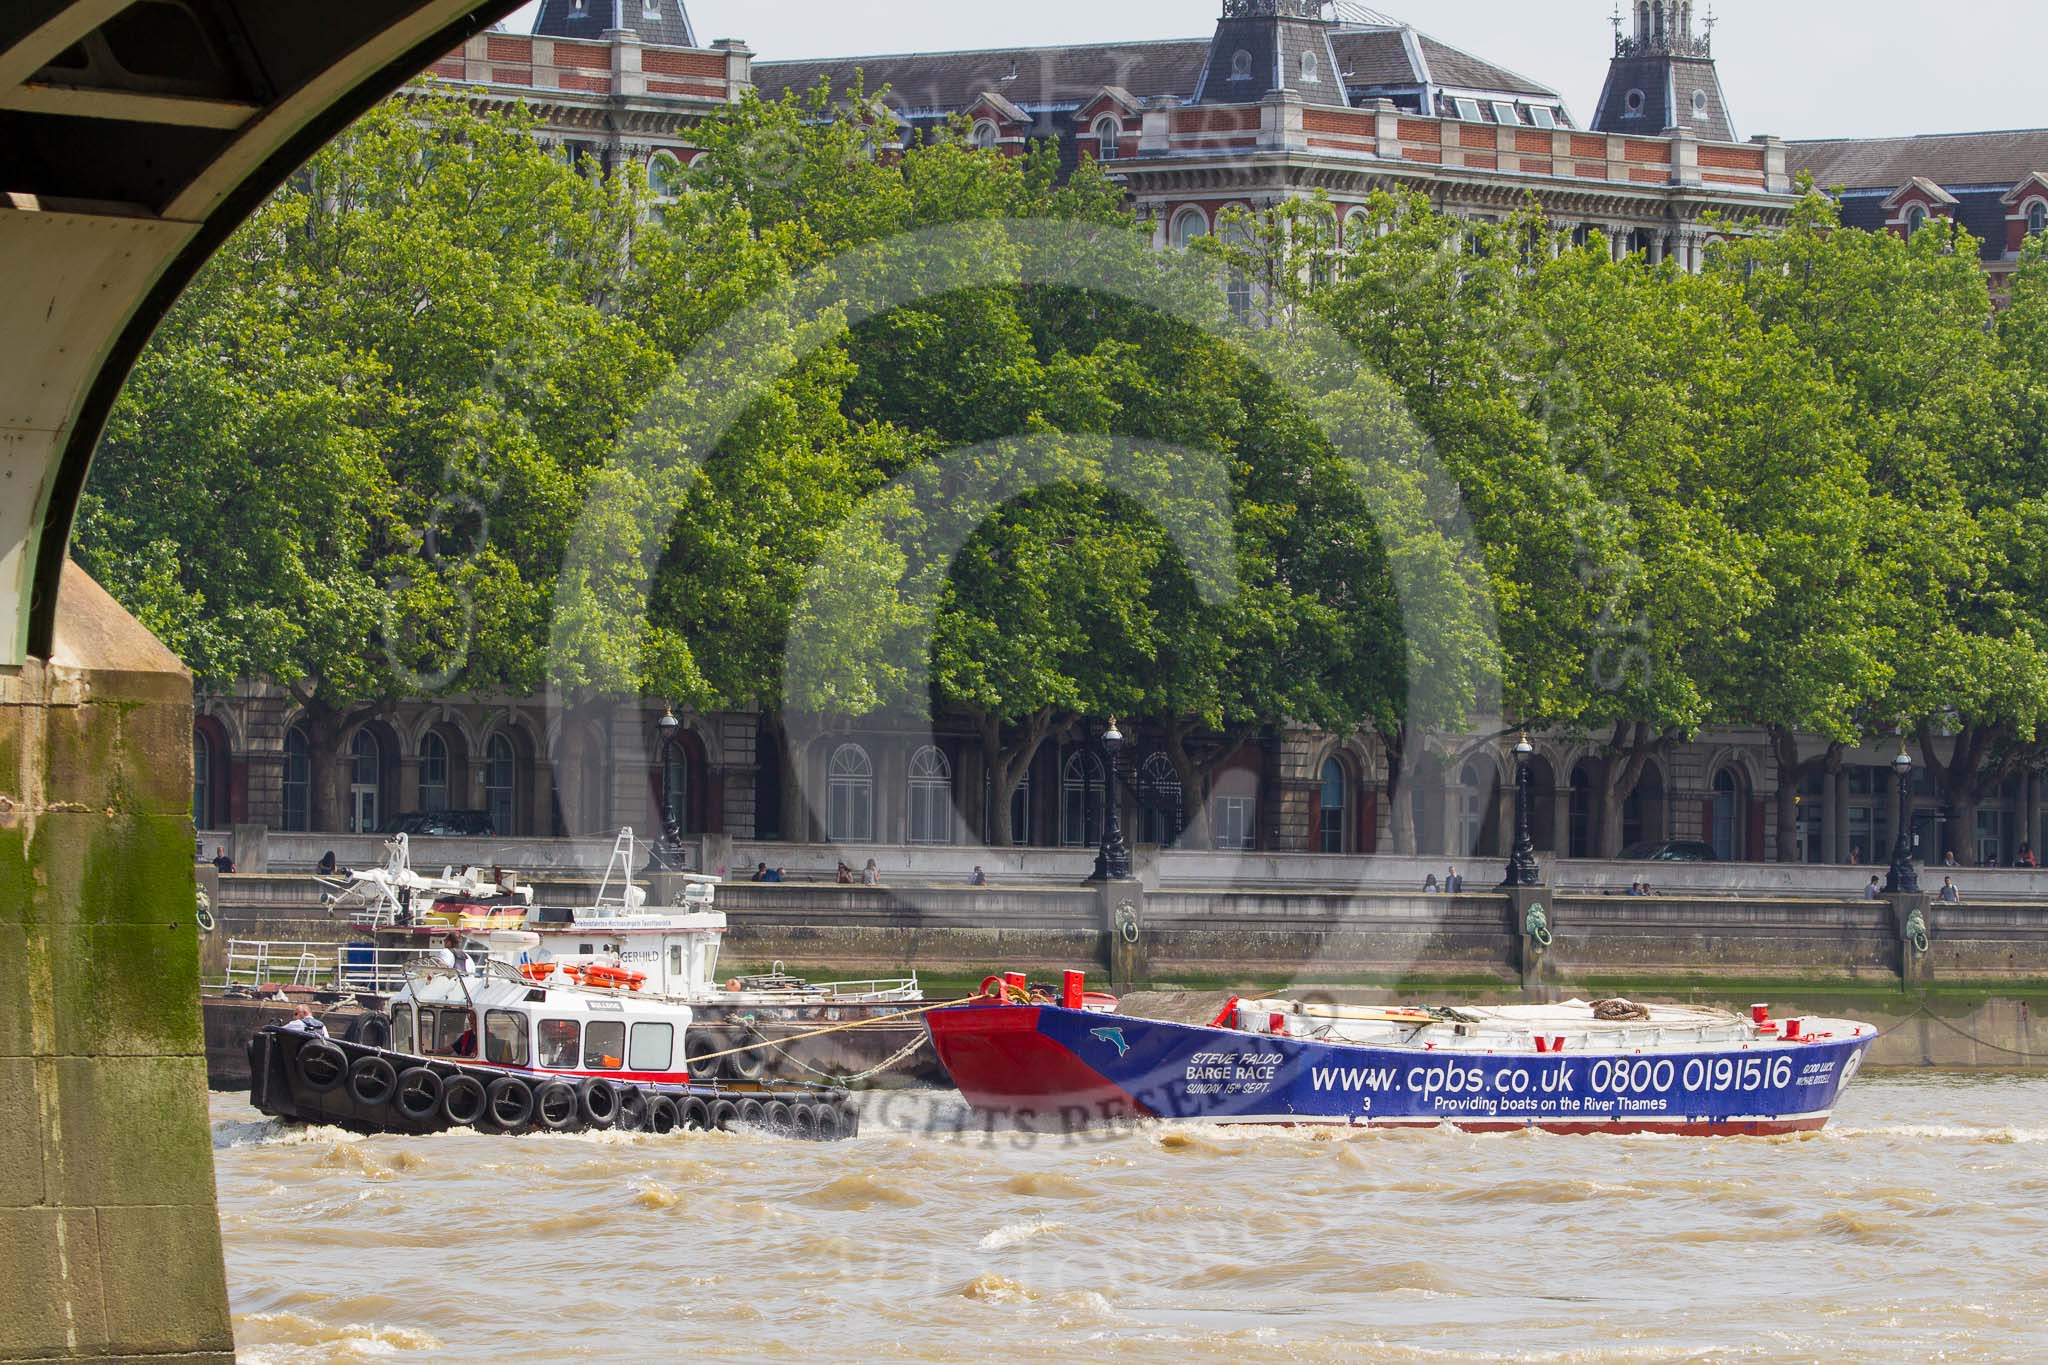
{"x": 1162, "y": 804}
{"x": 1240, "y": 65}
{"x": 1584, "y": 813}
{"x": 366, "y": 783}
{"x": 1333, "y": 817}
{"x": 931, "y": 797}
{"x": 665, "y": 174}
{"x": 433, "y": 772}
{"x": 202, "y": 780}
{"x": 1237, "y": 286}
{"x": 1916, "y": 218}
{"x": 2037, "y": 218}
{"x": 1108, "y": 139}
{"x": 1189, "y": 224}
{"x": 1311, "y": 70}
{"x": 1725, "y": 835}
{"x": 1081, "y": 800}
{"x": 850, "y": 783}
{"x": 1356, "y": 227}
{"x": 501, "y": 776}
{"x": 1475, "y": 790}
{"x": 1699, "y": 104}
{"x": 986, "y": 135}
{"x": 298, "y": 781}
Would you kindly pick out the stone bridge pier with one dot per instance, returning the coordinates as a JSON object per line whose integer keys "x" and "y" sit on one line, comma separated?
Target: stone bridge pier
{"x": 135, "y": 136}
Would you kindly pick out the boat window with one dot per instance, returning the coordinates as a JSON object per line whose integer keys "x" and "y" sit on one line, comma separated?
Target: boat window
{"x": 401, "y": 1028}
{"x": 675, "y": 964}
{"x": 654, "y": 1047}
{"x": 604, "y": 1045}
{"x": 558, "y": 1044}
{"x": 448, "y": 1037}
{"x": 505, "y": 1038}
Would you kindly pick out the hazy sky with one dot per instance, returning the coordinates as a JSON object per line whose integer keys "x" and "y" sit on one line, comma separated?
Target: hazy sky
{"x": 1807, "y": 68}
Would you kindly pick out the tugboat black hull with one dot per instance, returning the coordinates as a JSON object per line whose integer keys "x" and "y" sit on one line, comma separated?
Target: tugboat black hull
{"x": 306, "y": 1078}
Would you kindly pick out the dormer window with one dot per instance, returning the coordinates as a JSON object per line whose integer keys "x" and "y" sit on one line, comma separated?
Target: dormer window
{"x": 1311, "y": 73}
{"x": 2037, "y": 218}
{"x": 1504, "y": 113}
{"x": 1636, "y": 100}
{"x": 1542, "y": 116}
{"x": 1108, "y": 137}
{"x": 1468, "y": 110}
{"x": 1241, "y": 65}
{"x": 1699, "y": 104}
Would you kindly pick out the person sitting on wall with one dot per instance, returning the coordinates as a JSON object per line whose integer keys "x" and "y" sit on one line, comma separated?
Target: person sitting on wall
{"x": 845, "y": 874}
{"x": 1950, "y": 893}
{"x": 760, "y": 872}
{"x": 1429, "y": 886}
{"x": 1874, "y": 890}
{"x": 1635, "y": 888}
{"x": 774, "y": 875}
{"x": 871, "y": 875}
{"x": 979, "y": 878}
{"x": 1454, "y": 885}
{"x": 1855, "y": 856}
{"x": 327, "y": 864}
{"x": 303, "y": 1022}
{"x": 1948, "y": 859}
{"x": 2026, "y": 857}
{"x": 221, "y": 861}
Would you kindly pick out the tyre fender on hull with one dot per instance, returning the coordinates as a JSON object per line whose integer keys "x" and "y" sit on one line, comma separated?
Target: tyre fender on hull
{"x": 418, "y": 1095}
{"x": 372, "y": 1080}
{"x": 634, "y": 1106}
{"x": 725, "y": 1115}
{"x": 464, "y": 1100}
{"x": 662, "y": 1115}
{"x": 599, "y": 1103}
{"x": 557, "y": 1106}
{"x": 320, "y": 1065}
{"x": 696, "y": 1115}
{"x": 508, "y": 1103}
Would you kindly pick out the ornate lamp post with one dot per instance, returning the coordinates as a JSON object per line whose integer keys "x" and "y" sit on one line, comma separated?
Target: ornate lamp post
{"x": 1522, "y": 868}
{"x": 1113, "y": 863}
{"x": 666, "y": 854}
{"x": 1902, "y": 878}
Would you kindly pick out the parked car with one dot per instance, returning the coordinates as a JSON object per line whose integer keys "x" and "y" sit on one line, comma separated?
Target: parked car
{"x": 1670, "y": 851}
{"x": 465, "y": 824}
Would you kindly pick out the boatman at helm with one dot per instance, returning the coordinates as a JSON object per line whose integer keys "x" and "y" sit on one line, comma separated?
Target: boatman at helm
{"x": 304, "y": 1022}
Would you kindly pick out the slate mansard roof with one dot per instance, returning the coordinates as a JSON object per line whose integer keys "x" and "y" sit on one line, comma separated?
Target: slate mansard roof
{"x": 1392, "y": 61}
{"x": 1977, "y": 170}
{"x": 663, "y": 23}
{"x": 1948, "y": 159}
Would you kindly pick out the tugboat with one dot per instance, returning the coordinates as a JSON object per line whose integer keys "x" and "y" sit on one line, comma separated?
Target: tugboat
{"x": 1610, "y": 1066}
{"x": 509, "y": 1046}
{"x": 398, "y": 918}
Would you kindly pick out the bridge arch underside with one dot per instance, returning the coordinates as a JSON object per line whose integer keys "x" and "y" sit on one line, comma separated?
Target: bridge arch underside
{"x": 135, "y": 135}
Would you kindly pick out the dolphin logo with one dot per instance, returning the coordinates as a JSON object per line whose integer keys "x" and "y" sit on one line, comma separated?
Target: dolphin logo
{"x": 1112, "y": 1036}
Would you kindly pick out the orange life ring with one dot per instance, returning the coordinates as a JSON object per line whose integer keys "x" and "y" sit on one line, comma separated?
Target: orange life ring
{"x": 537, "y": 971}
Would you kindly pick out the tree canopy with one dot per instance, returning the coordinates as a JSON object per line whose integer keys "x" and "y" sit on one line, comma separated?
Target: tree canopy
{"x": 1800, "y": 490}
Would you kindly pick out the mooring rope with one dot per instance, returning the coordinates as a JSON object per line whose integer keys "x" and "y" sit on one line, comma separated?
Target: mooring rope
{"x": 835, "y": 1028}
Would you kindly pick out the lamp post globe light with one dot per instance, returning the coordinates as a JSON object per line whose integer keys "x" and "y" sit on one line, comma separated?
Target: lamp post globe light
{"x": 1113, "y": 863}
{"x": 666, "y": 853}
{"x": 1522, "y": 867}
{"x": 1901, "y": 877}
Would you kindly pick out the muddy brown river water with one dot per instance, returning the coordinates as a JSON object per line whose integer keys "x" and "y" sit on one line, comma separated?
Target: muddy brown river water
{"x": 1914, "y": 1229}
